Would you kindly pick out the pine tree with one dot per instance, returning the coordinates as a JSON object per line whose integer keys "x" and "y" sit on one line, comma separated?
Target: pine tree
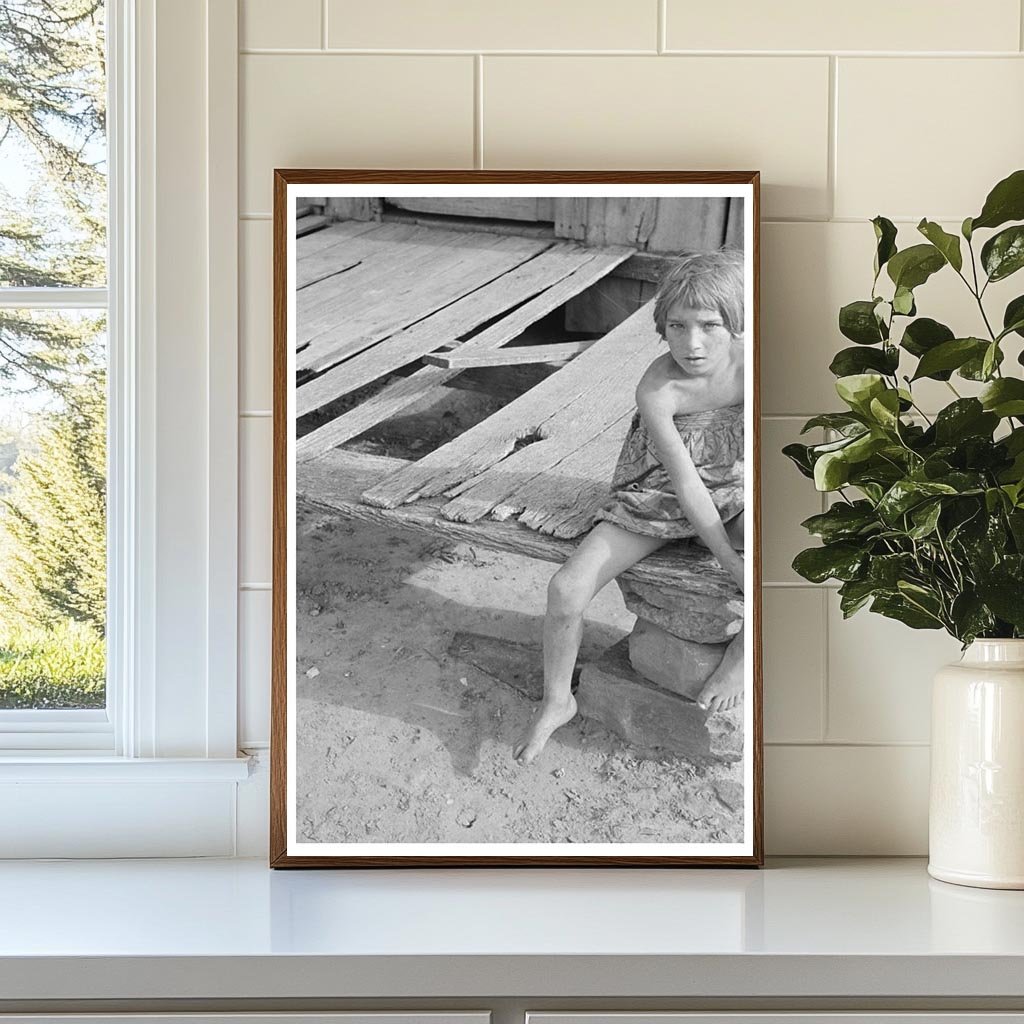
{"x": 53, "y": 122}
{"x": 53, "y": 520}
{"x": 52, "y": 114}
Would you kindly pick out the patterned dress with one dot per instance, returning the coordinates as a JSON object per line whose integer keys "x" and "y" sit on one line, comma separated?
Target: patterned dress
{"x": 643, "y": 500}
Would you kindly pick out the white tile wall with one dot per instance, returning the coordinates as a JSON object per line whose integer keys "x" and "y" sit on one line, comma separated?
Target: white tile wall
{"x": 925, "y": 116}
{"x": 698, "y": 113}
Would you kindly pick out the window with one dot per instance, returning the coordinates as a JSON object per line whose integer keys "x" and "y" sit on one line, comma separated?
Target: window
{"x": 155, "y": 770}
{"x": 53, "y": 373}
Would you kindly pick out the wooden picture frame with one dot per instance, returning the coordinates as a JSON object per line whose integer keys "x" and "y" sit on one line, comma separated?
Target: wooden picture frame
{"x": 449, "y": 274}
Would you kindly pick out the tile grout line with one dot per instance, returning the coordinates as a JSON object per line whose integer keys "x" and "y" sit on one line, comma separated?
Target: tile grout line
{"x": 825, "y": 716}
{"x": 662, "y": 28}
{"x": 323, "y": 24}
{"x": 478, "y": 111}
{"x": 257, "y": 51}
{"x": 831, "y": 171}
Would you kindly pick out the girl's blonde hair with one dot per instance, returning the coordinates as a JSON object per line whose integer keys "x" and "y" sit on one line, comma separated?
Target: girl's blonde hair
{"x": 704, "y": 280}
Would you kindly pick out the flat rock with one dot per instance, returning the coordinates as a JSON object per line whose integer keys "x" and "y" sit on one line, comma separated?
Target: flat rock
{"x": 698, "y": 617}
{"x": 653, "y": 720}
{"x": 681, "y": 666}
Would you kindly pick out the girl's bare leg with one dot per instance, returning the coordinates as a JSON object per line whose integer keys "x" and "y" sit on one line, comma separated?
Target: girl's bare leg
{"x": 604, "y": 553}
{"x": 724, "y": 687}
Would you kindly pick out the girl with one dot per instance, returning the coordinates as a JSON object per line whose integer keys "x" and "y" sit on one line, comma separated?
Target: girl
{"x": 680, "y": 474}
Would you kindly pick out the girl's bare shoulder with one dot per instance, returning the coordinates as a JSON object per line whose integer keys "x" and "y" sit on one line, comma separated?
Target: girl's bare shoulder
{"x": 656, "y": 386}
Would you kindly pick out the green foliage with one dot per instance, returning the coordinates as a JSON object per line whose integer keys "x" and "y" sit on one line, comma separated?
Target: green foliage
{"x": 927, "y": 525}
{"x": 53, "y": 521}
{"x": 53, "y": 124}
{"x": 62, "y": 667}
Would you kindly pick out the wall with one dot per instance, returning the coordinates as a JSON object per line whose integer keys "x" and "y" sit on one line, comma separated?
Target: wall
{"x": 847, "y": 110}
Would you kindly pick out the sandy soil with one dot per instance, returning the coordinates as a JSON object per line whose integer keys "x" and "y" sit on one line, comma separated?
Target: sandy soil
{"x": 400, "y": 740}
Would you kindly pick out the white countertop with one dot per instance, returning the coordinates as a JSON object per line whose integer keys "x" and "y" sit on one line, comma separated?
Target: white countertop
{"x": 234, "y": 929}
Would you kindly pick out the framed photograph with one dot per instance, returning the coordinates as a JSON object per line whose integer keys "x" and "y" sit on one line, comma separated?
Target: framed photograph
{"x": 516, "y": 581}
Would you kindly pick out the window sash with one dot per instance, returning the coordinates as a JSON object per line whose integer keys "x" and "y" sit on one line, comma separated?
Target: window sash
{"x": 92, "y": 730}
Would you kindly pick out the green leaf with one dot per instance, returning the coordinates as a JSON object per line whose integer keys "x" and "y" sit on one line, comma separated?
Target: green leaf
{"x": 897, "y": 607}
{"x": 923, "y": 335}
{"x": 925, "y": 518}
{"x": 857, "y": 321}
{"x": 850, "y": 361}
{"x": 1003, "y": 254}
{"x": 947, "y": 244}
{"x": 831, "y": 471}
{"x": 858, "y": 389}
{"x": 800, "y": 456}
{"x": 1004, "y": 397}
{"x": 990, "y": 360}
{"x": 966, "y": 417}
{"x": 974, "y": 368}
{"x": 1005, "y": 202}
{"x": 840, "y": 561}
{"x": 885, "y": 409}
{"x": 903, "y": 302}
{"x": 885, "y": 571}
{"x": 965, "y": 229}
{"x": 843, "y": 521}
{"x": 912, "y": 267}
{"x": 833, "y": 421}
{"x": 950, "y": 355}
{"x": 1005, "y": 596}
{"x": 885, "y": 237}
{"x": 971, "y": 617}
{"x": 1013, "y": 317}
{"x": 904, "y": 495}
{"x": 854, "y": 594}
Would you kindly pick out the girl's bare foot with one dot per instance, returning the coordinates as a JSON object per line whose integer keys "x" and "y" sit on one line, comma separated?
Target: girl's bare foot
{"x": 724, "y": 688}
{"x": 552, "y": 716}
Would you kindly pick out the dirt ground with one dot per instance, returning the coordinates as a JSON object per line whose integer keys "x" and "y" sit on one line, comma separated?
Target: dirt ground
{"x": 402, "y": 739}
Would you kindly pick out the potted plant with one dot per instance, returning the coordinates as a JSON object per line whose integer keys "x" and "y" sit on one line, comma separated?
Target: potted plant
{"x": 927, "y": 521}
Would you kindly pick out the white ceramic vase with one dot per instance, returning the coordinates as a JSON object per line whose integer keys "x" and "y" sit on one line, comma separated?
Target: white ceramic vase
{"x": 976, "y": 814}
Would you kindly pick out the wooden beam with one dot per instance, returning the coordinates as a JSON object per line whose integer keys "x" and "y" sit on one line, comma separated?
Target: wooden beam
{"x": 598, "y": 384}
{"x": 466, "y": 313}
{"x": 307, "y": 225}
{"x": 458, "y": 359}
{"x": 401, "y": 393}
{"x": 333, "y": 483}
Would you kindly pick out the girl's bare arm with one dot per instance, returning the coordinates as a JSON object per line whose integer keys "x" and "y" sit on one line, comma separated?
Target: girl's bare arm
{"x": 657, "y": 409}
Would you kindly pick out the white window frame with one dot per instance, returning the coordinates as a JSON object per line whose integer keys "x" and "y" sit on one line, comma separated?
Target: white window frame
{"x": 170, "y": 730}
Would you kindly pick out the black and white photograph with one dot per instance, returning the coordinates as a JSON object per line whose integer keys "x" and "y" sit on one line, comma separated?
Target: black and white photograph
{"x": 516, "y": 558}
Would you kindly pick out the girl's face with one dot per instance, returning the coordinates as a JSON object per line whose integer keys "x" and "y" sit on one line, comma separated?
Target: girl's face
{"x": 697, "y": 338}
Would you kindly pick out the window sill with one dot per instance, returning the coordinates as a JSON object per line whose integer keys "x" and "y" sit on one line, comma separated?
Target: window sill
{"x": 75, "y": 766}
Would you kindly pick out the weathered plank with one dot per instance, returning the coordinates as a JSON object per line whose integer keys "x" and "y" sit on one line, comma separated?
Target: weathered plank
{"x": 356, "y": 242}
{"x": 331, "y": 235}
{"x": 528, "y": 208}
{"x": 655, "y": 223}
{"x": 461, "y": 360}
{"x": 354, "y": 207}
{"x": 734, "y": 227}
{"x": 562, "y": 478}
{"x": 444, "y": 326}
{"x": 399, "y": 394}
{"x": 334, "y": 481}
{"x": 431, "y": 269}
{"x": 563, "y": 500}
{"x": 388, "y": 402}
{"x": 308, "y": 224}
{"x": 618, "y": 358}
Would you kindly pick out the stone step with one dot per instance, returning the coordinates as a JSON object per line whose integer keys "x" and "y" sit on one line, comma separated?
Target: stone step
{"x": 681, "y": 666}
{"x": 702, "y": 618}
{"x": 653, "y": 720}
